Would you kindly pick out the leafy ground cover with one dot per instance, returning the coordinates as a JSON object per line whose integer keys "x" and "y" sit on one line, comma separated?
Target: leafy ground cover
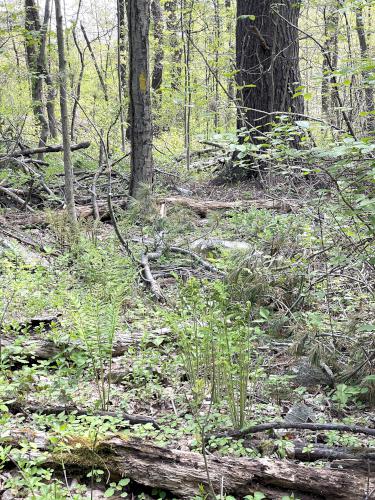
{"x": 278, "y": 327}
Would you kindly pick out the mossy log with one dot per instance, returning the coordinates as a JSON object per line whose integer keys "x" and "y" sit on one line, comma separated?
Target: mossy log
{"x": 185, "y": 473}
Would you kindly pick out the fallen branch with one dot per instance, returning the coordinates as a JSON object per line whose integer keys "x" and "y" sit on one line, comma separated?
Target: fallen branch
{"x": 214, "y": 145}
{"x": 198, "y": 259}
{"x": 46, "y": 149}
{"x": 185, "y": 473}
{"x": 356, "y": 429}
{"x": 16, "y": 198}
{"x": 16, "y": 407}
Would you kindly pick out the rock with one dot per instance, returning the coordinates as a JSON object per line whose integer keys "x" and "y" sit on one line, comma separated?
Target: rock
{"x": 300, "y": 413}
{"x": 308, "y": 375}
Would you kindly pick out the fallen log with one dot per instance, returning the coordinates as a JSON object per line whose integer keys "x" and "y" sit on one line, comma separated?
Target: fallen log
{"x": 47, "y": 348}
{"x": 45, "y": 149}
{"x": 203, "y": 207}
{"x": 184, "y": 474}
{"x": 16, "y": 407}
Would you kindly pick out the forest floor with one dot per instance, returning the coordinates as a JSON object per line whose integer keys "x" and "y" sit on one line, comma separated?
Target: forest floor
{"x": 268, "y": 316}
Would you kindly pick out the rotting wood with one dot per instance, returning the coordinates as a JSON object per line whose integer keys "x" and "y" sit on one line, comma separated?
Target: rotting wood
{"x": 47, "y": 348}
{"x": 203, "y": 207}
{"x": 184, "y": 473}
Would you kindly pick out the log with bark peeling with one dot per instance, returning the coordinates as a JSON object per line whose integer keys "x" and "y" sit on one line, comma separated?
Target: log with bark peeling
{"x": 203, "y": 207}
{"x": 184, "y": 473}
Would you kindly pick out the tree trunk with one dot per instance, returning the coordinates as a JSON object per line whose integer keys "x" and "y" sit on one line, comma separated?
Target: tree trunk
{"x": 121, "y": 66}
{"x": 330, "y": 52}
{"x": 35, "y": 57}
{"x": 173, "y": 30}
{"x": 267, "y": 56}
{"x": 68, "y": 166}
{"x": 368, "y": 86}
{"x": 157, "y": 74}
{"x": 139, "y": 96}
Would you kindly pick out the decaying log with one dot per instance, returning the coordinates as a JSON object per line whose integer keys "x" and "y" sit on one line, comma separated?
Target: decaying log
{"x": 203, "y": 207}
{"x": 47, "y": 348}
{"x": 46, "y": 149}
{"x": 184, "y": 473}
{"x": 16, "y": 407}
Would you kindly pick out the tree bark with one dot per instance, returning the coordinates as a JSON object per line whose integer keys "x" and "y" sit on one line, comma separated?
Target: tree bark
{"x": 365, "y": 56}
{"x": 35, "y": 57}
{"x": 68, "y": 166}
{"x": 174, "y": 42}
{"x": 139, "y": 96}
{"x": 267, "y": 56}
{"x": 185, "y": 473}
{"x": 121, "y": 66}
{"x": 157, "y": 73}
{"x": 330, "y": 53}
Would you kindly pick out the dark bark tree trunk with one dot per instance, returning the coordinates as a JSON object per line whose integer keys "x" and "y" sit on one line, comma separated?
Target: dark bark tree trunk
{"x": 173, "y": 28}
{"x": 121, "y": 66}
{"x": 68, "y": 166}
{"x": 267, "y": 56}
{"x": 368, "y": 87}
{"x": 139, "y": 96}
{"x": 157, "y": 73}
{"x": 35, "y": 58}
{"x": 330, "y": 48}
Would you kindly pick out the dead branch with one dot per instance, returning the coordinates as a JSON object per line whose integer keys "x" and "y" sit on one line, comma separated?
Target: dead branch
{"x": 204, "y": 263}
{"x": 11, "y": 194}
{"x": 46, "y": 149}
{"x": 356, "y": 429}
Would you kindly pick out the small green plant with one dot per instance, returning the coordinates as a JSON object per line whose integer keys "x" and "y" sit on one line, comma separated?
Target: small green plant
{"x": 346, "y": 393}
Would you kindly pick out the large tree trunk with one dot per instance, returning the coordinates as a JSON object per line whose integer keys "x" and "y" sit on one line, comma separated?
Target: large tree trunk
{"x": 68, "y": 166}
{"x": 267, "y": 55}
{"x": 139, "y": 96}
